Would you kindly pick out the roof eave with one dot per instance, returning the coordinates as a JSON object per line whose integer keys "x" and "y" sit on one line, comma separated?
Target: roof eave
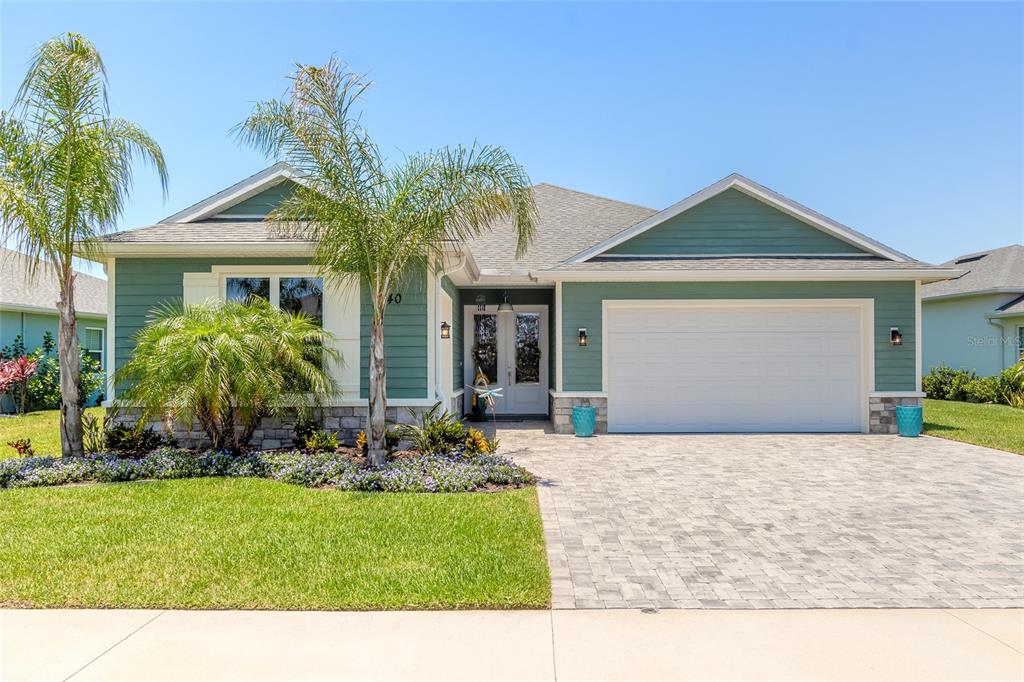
{"x": 903, "y": 274}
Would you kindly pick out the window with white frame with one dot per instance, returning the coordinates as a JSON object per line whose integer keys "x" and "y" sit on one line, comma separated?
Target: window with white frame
{"x": 1020, "y": 342}
{"x": 93, "y": 342}
{"x": 292, "y": 293}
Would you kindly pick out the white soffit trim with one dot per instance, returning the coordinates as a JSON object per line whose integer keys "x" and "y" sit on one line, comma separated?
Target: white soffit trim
{"x": 760, "y": 192}
{"x": 181, "y": 249}
{"x": 251, "y": 186}
{"x": 924, "y": 274}
{"x": 979, "y": 292}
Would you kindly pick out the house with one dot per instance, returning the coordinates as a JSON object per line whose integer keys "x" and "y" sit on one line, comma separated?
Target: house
{"x": 735, "y": 309}
{"x": 28, "y": 307}
{"x": 976, "y": 321}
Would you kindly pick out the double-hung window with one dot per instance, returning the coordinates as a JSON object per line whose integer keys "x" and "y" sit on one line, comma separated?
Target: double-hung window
{"x": 1020, "y": 342}
{"x": 93, "y": 342}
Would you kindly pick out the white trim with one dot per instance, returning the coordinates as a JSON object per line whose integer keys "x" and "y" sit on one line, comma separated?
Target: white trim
{"x": 661, "y": 256}
{"x": 917, "y": 335}
{"x": 866, "y": 305}
{"x": 577, "y": 394}
{"x": 196, "y": 249}
{"x": 1004, "y": 314}
{"x": 558, "y": 335}
{"x": 742, "y": 275}
{"x": 439, "y": 364}
{"x": 39, "y": 310}
{"x": 240, "y": 191}
{"x": 979, "y": 292}
{"x": 111, "y": 271}
{"x": 431, "y": 389}
{"x": 897, "y": 394}
{"x": 103, "y": 343}
{"x": 753, "y": 189}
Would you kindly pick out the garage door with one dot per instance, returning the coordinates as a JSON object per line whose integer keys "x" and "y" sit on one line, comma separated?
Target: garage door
{"x": 677, "y": 366}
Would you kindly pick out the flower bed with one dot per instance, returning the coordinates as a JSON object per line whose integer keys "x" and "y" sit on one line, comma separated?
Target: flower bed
{"x": 451, "y": 473}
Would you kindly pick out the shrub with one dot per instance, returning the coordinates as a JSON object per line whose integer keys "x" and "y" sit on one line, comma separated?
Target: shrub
{"x": 94, "y": 433}
{"x": 945, "y": 383}
{"x": 226, "y": 365}
{"x": 304, "y": 428}
{"x": 44, "y": 386}
{"x": 15, "y": 375}
{"x": 321, "y": 441}
{"x": 1010, "y": 385}
{"x": 23, "y": 446}
{"x": 135, "y": 439}
{"x": 478, "y": 444}
{"x": 982, "y": 390}
{"x": 436, "y": 433}
{"x": 392, "y": 437}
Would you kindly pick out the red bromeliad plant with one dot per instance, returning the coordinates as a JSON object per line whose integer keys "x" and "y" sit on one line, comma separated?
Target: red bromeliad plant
{"x": 14, "y": 376}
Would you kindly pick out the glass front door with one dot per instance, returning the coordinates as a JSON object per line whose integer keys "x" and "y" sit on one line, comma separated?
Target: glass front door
{"x": 510, "y": 350}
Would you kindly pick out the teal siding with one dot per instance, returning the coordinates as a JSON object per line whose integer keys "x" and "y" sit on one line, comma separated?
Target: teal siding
{"x": 31, "y": 327}
{"x": 457, "y": 326}
{"x": 733, "y": 222}
{"x": 262, "y": 203}
{"x": 894, "y": 307}
{"x": 405, "y": 341}
{"x": 142, "y": 284}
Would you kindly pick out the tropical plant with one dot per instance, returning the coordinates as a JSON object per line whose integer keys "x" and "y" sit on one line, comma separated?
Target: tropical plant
{"x": 23, "y": 446}
{"x": 372, "y": 221}
{"x": 44, "y": 389}
{"x": 321, "y": 441}
{"x": 130, "y": 439}
{"x": 94, "y": 433}
{"x": 479, "y": 444}
{"x": 14, "y": 377}
{"x": 65, "y": 175}
{"x": 438, "y": 432}
{"x": 226, "y": 365}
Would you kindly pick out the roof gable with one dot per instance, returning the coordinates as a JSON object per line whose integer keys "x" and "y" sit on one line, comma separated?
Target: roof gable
{"x": 717, "y": 221}
{"x": 248, "y": 199}
{"x": 994, "y": 271}
{"x": 733, "y": 223}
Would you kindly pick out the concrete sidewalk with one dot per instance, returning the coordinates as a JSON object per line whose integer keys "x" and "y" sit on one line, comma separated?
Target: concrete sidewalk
{"x": 531, "y": 645}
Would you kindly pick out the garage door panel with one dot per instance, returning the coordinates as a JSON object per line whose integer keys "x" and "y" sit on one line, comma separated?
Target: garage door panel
{"x": 697, "y": 368}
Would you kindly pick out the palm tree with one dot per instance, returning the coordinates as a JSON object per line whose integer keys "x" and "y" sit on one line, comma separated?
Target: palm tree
{"x": 65, "y": 174}
{"x": 226, "y": 365}
{"x": 379, "y": 222}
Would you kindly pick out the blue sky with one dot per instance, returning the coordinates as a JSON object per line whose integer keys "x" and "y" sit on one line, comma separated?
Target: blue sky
{"x": 905, "y": 121}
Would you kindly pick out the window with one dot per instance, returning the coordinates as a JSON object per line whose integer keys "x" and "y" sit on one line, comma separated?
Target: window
{"x": 485, "y": 346}
{"x": 93, "y": 343}
{"x": 1020, "y": 343}
{"x": 241, "y": 289}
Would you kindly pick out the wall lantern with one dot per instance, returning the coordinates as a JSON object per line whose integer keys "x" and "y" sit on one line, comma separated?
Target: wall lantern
{"x": 895, "y": 338}
{"x": 446, "y": 330}
{"x": 583, "y": 336}
{"x": 481, "y": 303}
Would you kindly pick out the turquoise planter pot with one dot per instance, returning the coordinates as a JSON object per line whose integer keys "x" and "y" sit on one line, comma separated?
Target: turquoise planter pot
{"x": 909, "y": 420}
{"x": 584, "y": 418}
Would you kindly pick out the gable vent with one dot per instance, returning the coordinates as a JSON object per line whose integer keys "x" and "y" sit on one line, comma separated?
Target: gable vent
{"x": 970, "y": 259}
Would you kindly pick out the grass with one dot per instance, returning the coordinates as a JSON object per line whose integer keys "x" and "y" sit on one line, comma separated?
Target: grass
{"x": 42, "y": 428}
{"x": 994, "y": 426}
{"x": 255, "y": 544}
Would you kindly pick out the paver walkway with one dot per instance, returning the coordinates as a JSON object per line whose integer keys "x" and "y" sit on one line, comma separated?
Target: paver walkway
{"x": 776, "y": 521}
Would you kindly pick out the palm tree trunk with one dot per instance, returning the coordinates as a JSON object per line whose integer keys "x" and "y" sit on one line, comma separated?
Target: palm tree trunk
{"x": 378, "y": 395}
{"x": 67, "y": 355}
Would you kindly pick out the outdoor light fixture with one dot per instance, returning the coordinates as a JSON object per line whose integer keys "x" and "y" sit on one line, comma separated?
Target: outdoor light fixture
{"x": 481, "y": 303}
{"x": 446, "y": 330}
{"x": 505, "y": 306}
{"x": 895, "y": 338}
{"x": 583, "y": 336}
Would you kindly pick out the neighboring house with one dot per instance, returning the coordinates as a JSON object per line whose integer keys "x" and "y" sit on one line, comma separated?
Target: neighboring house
{"x": 28, "y": 307}
{"x": 976, "y": 321}
{"x": 735, "y": 309}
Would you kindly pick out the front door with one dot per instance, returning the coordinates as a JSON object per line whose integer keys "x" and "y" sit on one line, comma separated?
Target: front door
{"x": 511, "y": 349}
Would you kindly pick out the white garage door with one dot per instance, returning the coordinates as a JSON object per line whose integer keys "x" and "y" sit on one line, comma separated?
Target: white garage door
{"x": 705, "y": 367}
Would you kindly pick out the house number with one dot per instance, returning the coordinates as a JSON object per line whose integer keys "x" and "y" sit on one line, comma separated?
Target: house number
{"x": 394, "y": 298}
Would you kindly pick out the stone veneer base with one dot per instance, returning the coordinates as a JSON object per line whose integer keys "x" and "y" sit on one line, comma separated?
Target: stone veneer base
{"x": 882, "y": 411}
{"x": 560, "y": 409}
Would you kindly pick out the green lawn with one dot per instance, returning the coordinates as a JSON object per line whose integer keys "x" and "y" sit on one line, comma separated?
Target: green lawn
{"x": 257, "y": 544}
{"x": 994, "y": 426}
{"x": 42, "y": 427}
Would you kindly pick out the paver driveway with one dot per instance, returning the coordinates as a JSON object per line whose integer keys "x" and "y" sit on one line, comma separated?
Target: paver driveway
{"x": 776, "y": 521}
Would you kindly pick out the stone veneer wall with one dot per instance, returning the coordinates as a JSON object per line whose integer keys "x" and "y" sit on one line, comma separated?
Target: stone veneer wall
{"x": 275, "y": 432}
{"x": 882, "y": 411}
{"x": 560, "y": 409}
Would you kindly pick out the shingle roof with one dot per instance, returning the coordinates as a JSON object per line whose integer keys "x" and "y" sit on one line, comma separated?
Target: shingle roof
{"x": 215, "y": 231}
{"x": 43, "y": 290}
{"x": 1001, "y": 268}
{"x": 569, "y": 221}
{"x": 858, "y": 264}
{"x": 1013, "y": 307}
